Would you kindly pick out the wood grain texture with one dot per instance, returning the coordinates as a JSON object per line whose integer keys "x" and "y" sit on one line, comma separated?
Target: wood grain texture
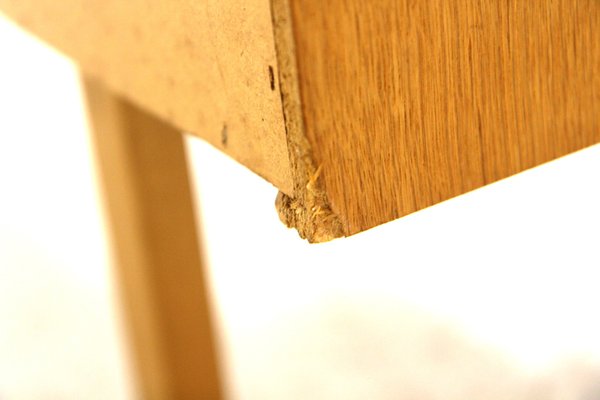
{"x": 143, "y": 165}
{"x": 207, "y": 66}
{"x": 359, "y": 111}
{"x": 408, "y": 103}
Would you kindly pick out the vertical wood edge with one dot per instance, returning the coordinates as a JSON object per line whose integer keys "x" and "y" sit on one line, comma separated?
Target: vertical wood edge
{"x": 142, "y": 166}
{"x": 308, "y": 209}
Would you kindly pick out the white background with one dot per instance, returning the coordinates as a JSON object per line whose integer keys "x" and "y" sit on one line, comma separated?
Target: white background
{"x": 490, "y": 295}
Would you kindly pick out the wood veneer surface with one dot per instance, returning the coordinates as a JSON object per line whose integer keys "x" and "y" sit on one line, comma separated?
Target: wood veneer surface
{"x": 408, "y": 103}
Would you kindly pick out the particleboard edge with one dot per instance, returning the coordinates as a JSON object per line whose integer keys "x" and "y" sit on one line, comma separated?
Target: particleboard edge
{"x": 307, "y": 209}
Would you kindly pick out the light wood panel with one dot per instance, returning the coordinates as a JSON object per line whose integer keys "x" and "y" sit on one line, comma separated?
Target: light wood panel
{"x": 359, "y": 111}
{"x": 143, "y": 166}
{"x": 207, "y": 66}
{"x": 408, "y": 103}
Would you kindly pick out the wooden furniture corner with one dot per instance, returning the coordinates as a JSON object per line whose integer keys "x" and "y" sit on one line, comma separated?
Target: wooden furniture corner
{"x": 358, "y": 111}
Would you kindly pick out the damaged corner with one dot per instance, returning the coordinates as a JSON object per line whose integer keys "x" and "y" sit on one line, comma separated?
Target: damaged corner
{"x": 310, "y": 214}
{"x": 307, "y": 209}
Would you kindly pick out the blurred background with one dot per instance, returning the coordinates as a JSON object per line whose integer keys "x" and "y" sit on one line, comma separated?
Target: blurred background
{"x": 492, "y": 295}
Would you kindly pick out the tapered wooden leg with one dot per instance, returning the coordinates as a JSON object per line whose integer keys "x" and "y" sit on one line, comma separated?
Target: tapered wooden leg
{"x": 143, "y": 168}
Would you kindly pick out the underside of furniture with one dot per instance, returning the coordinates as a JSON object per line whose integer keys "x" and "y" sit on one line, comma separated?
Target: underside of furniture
{"x": 359, "y": 111}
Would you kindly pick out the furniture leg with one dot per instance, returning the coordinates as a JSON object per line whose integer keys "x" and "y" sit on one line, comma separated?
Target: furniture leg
{"x": 143, "y": 167}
